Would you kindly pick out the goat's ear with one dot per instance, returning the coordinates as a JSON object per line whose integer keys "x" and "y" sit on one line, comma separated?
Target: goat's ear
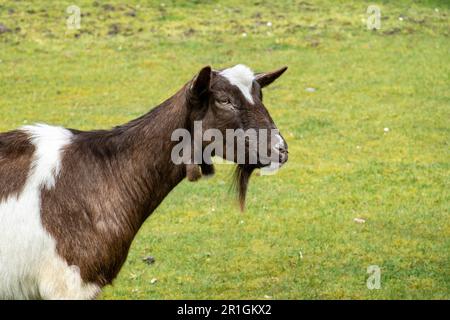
{"x": 201, "y": 84}
{"x": 266, "y": 78}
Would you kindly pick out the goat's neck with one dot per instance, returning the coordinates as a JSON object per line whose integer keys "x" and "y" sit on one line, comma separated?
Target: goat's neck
{"x": 148, "y": 171}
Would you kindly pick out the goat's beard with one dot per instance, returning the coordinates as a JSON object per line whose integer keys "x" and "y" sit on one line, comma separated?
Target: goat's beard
{"x": 240, "y": 182}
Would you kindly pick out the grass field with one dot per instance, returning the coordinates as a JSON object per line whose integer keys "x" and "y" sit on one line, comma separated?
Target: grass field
{"x": 371, "y": 141}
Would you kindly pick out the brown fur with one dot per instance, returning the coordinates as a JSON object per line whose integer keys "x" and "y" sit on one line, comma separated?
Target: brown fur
{"x": 193, "y": 172}
{"x": 16, "y": 154}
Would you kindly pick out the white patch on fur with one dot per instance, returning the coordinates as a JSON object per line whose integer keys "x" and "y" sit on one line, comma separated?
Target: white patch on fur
{"x": 279, "y": 142}
{"x": 273, "y": 167}
{"x": 48, "y": 141}
{"x": 242, "y": 77}
{"x": 30, "y": 267}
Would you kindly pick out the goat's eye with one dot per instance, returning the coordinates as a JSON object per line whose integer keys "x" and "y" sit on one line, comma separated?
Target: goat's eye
{"x": 224, "y": 101}
{"x": 225, "y": 104}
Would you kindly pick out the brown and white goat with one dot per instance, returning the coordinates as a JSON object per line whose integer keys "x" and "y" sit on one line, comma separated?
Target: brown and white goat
{"x": 72, "y": 201}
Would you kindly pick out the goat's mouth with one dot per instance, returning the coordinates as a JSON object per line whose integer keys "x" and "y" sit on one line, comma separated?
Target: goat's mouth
{"x": 276, "y": 161}
{"x": 272, "y": 167}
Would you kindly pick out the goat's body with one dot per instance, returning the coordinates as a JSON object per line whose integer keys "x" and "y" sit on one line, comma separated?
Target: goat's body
{"x": 71, "y": 202}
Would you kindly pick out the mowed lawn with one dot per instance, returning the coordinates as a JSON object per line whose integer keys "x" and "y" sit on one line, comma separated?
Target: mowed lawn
{"x": 366, "y": 115}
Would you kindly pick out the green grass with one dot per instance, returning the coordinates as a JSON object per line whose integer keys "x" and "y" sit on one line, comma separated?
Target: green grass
{"x": 297, "y": 239}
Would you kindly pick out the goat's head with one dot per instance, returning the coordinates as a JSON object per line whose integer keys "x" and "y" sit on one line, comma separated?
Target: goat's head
{"x": 231, "y": 100}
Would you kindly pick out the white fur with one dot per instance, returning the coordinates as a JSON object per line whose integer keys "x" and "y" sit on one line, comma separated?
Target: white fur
{"x": 242, "y": 77}
{"x": 279, "y": 143}
{"x": 30, "y": 267}
{"x": 273, "y": 167}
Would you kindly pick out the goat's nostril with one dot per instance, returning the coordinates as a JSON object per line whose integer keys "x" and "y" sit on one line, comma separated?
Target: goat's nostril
{"x": 283, "y": 149}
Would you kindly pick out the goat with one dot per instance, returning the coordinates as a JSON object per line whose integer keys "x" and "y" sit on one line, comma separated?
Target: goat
{"x": 72, "y": 201}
